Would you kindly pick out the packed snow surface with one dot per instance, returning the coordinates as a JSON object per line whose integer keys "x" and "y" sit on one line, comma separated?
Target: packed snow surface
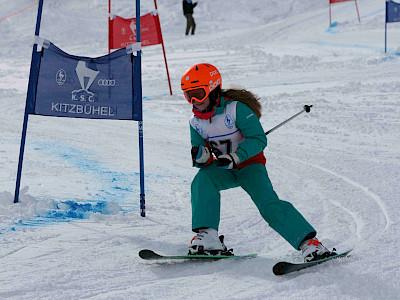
{"x": 77, "y": 230}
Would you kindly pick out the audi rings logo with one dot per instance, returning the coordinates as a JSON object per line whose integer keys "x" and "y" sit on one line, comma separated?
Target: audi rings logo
{"x": 106, "y": 82}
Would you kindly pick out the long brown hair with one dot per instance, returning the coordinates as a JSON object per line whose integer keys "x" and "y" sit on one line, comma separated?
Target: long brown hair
{"x": 246, "y": 97}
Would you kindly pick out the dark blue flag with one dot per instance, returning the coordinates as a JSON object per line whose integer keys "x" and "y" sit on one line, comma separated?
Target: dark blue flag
{"x": 392, "y": 11}
{"x": 84, "y": 87}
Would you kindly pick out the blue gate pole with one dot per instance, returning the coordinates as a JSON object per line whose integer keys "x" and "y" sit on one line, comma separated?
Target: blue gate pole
{"x": 386, "y": 19}
{"x": 25, "y": 124}
{"x": 140, "y": 125}
{"x": 385, "y": 36}
{"x": 21, "y": 156}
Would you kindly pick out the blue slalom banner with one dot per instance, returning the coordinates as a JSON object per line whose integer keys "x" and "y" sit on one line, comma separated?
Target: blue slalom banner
{"x": 392, "y": 11}
{"x": 392, "y": 15}
{"x": 64, "y": 85}
{"x": 84, "y": 87}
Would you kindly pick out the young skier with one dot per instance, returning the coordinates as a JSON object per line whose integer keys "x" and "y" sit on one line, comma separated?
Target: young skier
{"x": 227, "y": 145}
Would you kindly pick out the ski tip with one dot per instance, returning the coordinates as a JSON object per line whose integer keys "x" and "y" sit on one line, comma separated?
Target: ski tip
{"x": 142, "y": 253}
{"x": 146, "y": 253}
{"x": 283, "y": 267}
{"x": 279, "y": 268}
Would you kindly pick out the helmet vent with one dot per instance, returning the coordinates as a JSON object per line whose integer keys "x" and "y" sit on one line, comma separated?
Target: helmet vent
{"x": 197, "y": 68}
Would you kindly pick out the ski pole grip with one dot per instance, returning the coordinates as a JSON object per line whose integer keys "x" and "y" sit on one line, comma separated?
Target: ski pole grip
{"x": 307, "y": 108}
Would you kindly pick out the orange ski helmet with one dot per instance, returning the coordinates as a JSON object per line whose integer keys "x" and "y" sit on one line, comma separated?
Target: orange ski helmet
{"x": 199, "y": 81}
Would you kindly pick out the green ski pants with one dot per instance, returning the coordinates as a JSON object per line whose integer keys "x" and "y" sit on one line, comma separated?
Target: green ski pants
{"x": 279, "y": 214}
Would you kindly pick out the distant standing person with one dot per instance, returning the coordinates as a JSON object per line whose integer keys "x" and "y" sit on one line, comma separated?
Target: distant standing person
{"x": 188, "y": 12}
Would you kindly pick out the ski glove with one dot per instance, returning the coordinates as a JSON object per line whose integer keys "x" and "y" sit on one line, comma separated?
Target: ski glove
{"x": 200, "y": 155}
{"x": 228, "y": 161}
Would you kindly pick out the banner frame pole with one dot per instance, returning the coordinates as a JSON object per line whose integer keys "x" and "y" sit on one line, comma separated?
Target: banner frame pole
{"x": 21, "y": 156}
{"x": 138, "y": 69}
{"x": 26, "y": 113}
{"x": 385, "y": 36}
{"x": 386, "y": 18}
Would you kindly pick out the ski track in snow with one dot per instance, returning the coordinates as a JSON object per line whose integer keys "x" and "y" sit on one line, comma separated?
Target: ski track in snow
{"x": 360, "y": 223}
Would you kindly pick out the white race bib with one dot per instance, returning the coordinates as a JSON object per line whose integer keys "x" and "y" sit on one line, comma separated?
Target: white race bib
{"x": 222, "y": 133}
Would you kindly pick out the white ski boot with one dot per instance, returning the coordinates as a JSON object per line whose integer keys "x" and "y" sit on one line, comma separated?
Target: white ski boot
{"x": 207, "y": 242}
{"x": 312, "y": 249}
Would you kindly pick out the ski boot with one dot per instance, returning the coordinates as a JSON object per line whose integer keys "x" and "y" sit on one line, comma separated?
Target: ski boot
{"x": 207, "y": 242}
{"x": 312, "y": 250}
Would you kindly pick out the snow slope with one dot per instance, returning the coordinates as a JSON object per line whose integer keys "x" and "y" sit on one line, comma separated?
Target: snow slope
{"x": 77, "y": 230}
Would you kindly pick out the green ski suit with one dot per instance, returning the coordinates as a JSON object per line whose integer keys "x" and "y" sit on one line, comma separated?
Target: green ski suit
{"x": 251, "y": 174}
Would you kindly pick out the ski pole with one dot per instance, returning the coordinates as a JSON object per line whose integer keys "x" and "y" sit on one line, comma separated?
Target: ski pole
{"x": 306, "y": 109}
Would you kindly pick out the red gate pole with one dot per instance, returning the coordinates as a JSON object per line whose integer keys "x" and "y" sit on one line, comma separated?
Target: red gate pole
{"x": 162, "y": 44}
{"x": 109, "y": 25}
{"x": 358, "y": 14}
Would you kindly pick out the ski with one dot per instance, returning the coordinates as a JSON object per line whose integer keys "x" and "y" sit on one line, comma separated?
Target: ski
{"x": 283, "y": 267}
{"x": 151, "y": 255}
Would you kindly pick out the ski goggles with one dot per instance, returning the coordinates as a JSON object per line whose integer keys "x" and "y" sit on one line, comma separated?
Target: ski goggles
{"x": 198, "y": 94}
